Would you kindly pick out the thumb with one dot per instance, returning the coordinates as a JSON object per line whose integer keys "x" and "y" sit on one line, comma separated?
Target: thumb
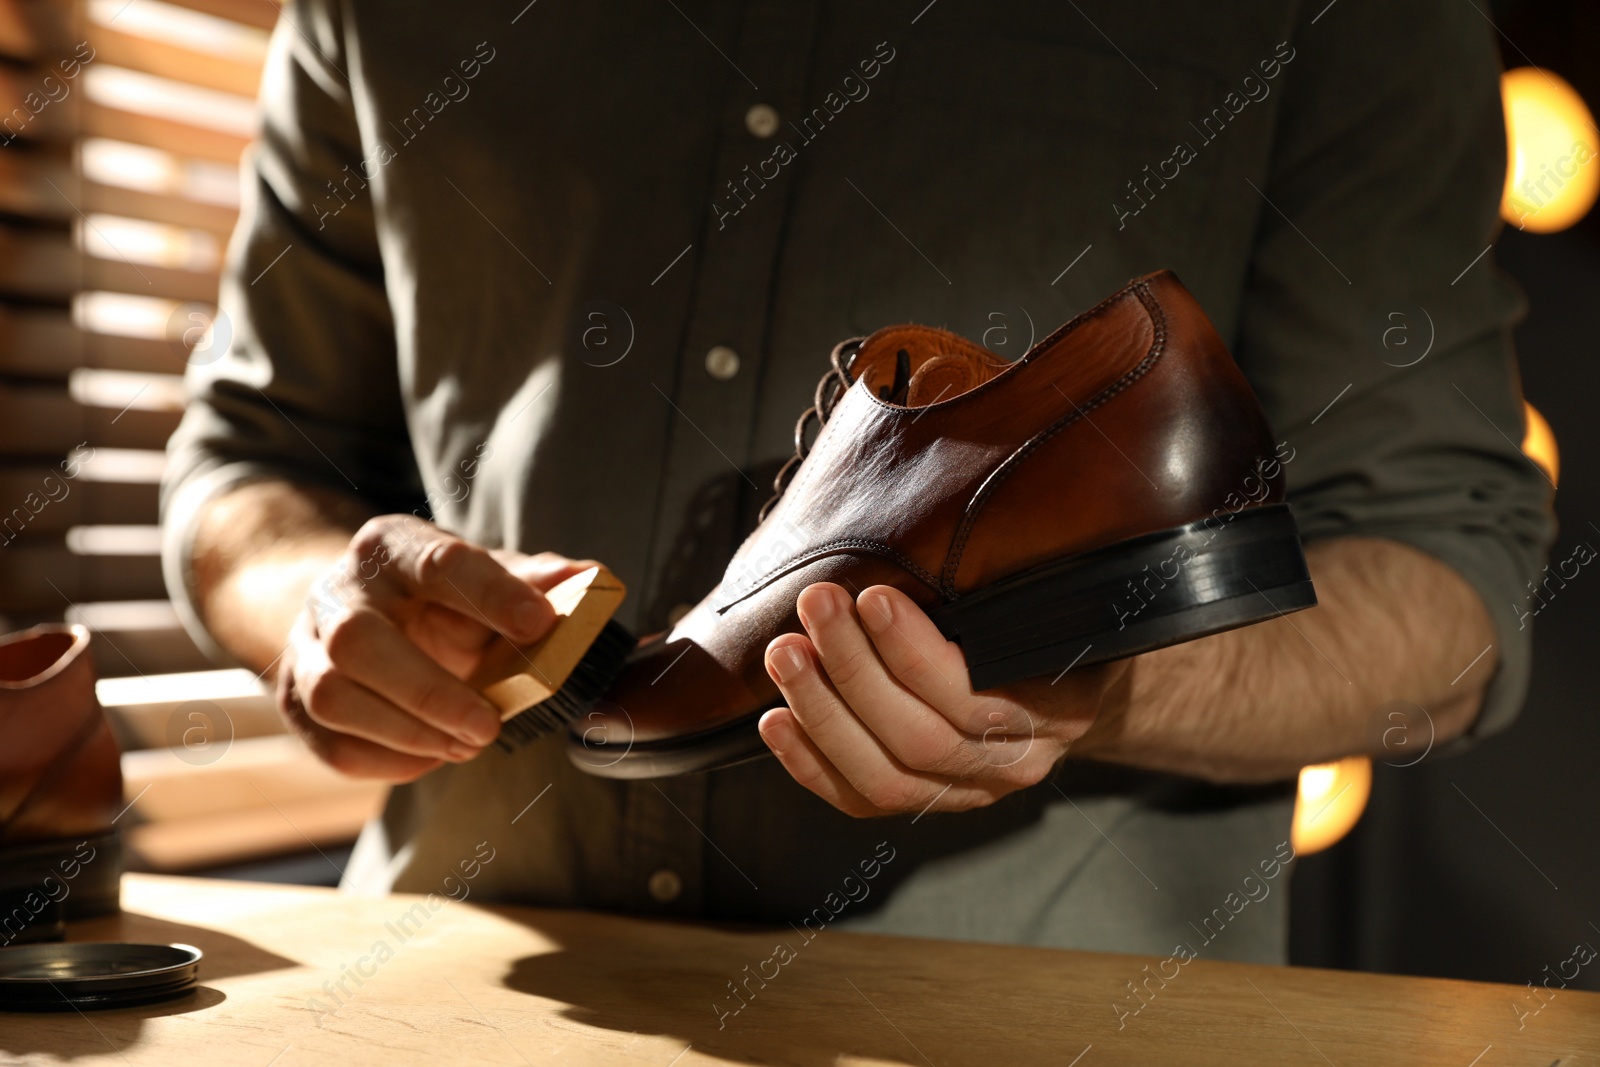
{"x": 467, "y": 578}
{"x": 543, "y": 570}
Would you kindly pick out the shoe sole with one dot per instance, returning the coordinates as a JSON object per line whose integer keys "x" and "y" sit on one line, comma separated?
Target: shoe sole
{"x": 1123, "y": 600}
{"x": 43, "y": 883}
{"x": 1132, "y": 597}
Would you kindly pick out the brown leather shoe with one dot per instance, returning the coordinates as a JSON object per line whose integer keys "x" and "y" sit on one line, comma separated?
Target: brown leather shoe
{"x": 1114, "y": 491}
{"x": 60, "y": 786}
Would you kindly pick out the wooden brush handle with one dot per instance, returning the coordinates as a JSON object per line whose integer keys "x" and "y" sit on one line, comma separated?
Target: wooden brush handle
{"x": 515, "y": 679}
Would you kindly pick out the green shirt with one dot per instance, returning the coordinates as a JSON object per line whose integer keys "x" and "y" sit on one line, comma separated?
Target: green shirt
{"x": 544, "y": 270}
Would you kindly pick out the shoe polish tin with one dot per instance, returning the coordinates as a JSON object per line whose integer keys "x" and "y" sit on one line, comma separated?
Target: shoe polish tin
{"x": 87, "y": 974}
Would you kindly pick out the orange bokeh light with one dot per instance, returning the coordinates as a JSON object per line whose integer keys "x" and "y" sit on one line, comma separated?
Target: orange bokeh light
{"x": 1539, "y": 443}
{"x": 1331, "y": 799}
{"x": 1552, "y": 170}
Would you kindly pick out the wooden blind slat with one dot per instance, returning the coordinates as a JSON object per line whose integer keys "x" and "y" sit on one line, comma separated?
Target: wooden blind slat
{"x": 119, "y": 276}
{"x": 49, "y": 578}
{"x": 156, "y": 57}
{"x": 262, "y": 14}
{"x": 57, "y": 263}
{"x": 37, "y": 183}
{"x": 42, "y": 184}
{"x": 50, "y": 502}
{"x": 173, "y": 210}
{"x": 178, "y": 137}
{"x": 147, "y": 651}
{"x": 39, "y": 342}
{"x": 47, "y": 265}
{"x": 44, "y": 420}
{"x": 46, "y": 343}
{"x": 18, "y": 38}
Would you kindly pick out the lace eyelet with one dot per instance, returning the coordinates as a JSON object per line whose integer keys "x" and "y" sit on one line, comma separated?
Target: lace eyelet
{"x": 830, "y": 389}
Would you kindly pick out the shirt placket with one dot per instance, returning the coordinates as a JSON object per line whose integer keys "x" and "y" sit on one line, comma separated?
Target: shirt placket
{"x": 718, "y": 375}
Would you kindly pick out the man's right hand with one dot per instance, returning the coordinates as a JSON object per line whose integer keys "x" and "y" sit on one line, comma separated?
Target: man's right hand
{"x": 372, "y": 675}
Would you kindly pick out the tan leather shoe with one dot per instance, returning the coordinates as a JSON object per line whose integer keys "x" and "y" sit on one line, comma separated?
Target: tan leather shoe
{"x": 1114, "y": 491}
{"x": 60, "y": 786}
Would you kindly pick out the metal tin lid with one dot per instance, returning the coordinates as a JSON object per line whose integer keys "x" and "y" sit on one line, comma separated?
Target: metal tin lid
{"x": 85, "y": 974}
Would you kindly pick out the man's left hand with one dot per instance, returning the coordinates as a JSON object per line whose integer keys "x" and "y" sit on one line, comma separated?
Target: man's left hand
{"x": 882, "y": 718}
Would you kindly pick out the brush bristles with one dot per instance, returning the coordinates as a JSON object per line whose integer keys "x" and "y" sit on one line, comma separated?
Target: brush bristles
{"x": 600, "y": 667}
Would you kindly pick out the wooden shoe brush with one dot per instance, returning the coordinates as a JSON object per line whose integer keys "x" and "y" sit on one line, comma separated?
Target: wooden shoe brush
{"x": 540, "y": 688}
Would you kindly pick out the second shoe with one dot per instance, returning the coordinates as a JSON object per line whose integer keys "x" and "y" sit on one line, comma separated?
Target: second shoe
{"x": 60, "y": 786}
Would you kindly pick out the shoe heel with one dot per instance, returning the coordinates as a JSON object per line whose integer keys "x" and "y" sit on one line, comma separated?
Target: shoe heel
{"x": 1136, "y": 596}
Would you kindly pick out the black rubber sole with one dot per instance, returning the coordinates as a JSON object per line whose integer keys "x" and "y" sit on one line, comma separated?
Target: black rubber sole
{"x": 1123, "y": 600}
{"x": 45, "y": 883}
{"x": 737, "y": 742}
{"x": 1133, "y": 597}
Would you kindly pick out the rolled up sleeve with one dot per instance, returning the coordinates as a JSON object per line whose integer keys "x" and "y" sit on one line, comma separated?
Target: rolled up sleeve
{"x": 1376, "y": 326}
{"x": 300, "y": 382}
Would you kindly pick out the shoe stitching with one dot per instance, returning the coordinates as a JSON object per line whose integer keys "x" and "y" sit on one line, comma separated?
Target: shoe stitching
{"x": 1035, "y": 353}
{"x": 822, "y": 551}
{"x": 945, "y": 586}
{"x": 804, "y": 476}
{"x": 1158, "y": 321}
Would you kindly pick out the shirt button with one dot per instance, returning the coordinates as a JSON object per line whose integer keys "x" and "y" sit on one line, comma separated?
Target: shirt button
{"x": 677, "y": 613}
{"x": 722, "y": 363}
{"x": 761, "y": 120}
{"x": 665, "y": 885}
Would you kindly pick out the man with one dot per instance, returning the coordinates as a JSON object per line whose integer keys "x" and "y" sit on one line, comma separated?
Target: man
{"x": 563, "y": 278}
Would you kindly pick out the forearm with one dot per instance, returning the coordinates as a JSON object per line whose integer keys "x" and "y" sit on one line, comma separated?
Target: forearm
{"x": 257, "y": 551}
{"x": 1256, "y": 704}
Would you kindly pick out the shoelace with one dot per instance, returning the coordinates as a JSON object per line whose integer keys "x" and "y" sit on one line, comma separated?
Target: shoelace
{"x": 829, "y": 389}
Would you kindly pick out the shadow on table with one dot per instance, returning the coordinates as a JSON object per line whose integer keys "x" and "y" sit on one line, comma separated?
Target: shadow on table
{"x": 675, "y": 979}
{"x": 70, "y": 1034}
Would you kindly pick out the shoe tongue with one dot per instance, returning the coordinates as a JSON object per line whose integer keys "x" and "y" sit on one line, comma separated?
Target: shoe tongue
{"x": 918, "y": 365}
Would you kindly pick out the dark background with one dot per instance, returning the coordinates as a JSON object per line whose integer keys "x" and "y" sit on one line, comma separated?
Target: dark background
{"x": 1425, "y": 884}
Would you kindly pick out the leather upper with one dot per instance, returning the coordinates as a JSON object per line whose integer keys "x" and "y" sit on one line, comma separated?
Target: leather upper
{"x": 60, "y": 768}
{"x": 1129, "y": 419}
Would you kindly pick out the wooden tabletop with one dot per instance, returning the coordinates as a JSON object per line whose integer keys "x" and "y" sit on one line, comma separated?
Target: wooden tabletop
{"x": 299, "y": 976}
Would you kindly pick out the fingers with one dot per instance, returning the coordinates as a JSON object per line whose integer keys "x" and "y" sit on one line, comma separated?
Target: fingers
{"x": 333, "y": 701}
{"x": 840, "y": 738}
{"x": 464, "y": 577}
{"x": 542, "y": 570}
{"x": 360, "y": 758}
{"x": 808, "y": 766}
{"x": 388, "y": 636}
{"x": 825, "y": 719}
{"x": 448, "y": 637}
{"x": 881, "y": 715}
{"x": 912, "y": 647}
{"x": 934, "y": 668}
{"x": 457, "y": 641}
{"x": 368, "y": 649}
{"x": 354, "y": 756}
{"x": 450, "y": 628}
{"x": 917, "y": 734}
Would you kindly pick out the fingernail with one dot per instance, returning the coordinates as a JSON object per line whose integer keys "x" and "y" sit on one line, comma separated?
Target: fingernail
{"x": 480, "y": 728}
{"x": 787, "y": 663}
{"x": 529, "y": 618}
{"x": 819, "y": 608}
{"x": 875, "y": 612}
{"x": 777, "y": 733}
{"x": 460, "y": 752}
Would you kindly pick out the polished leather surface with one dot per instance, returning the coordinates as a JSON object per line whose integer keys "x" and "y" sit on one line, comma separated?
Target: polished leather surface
{"x": 60, "y": 769}
{"x": 1130, "y": 419}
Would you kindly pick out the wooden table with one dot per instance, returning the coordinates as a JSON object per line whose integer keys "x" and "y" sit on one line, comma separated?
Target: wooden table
{"x": 469, "y": 984}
